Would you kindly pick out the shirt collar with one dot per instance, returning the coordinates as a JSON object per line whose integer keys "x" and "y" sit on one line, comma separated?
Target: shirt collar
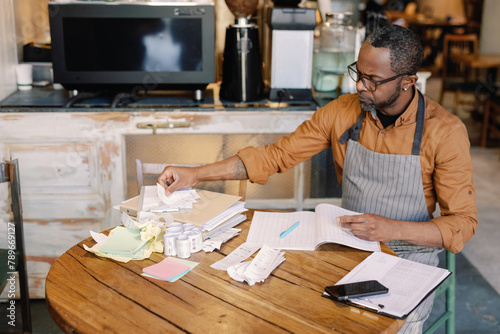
{"x": 410, "y": 114}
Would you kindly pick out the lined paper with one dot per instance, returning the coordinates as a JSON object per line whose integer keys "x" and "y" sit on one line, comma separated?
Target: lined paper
{"x": 315, "y": 228}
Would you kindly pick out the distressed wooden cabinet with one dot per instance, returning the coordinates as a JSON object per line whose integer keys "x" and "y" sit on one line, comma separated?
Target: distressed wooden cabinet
{"x": 72, "y": 166}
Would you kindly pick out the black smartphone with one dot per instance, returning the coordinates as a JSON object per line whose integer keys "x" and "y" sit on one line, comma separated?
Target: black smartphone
{"x": 355, "y": 290}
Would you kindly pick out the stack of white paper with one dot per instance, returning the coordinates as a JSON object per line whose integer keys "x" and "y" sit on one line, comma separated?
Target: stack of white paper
{"x": 259, "y": 268}
{"x": 224, "y": 216}
{"x": 225, "y": 226}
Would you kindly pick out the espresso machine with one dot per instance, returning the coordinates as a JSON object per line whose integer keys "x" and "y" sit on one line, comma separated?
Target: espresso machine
{"x": 291, "y": 51}
{"x": 241, "y": 68}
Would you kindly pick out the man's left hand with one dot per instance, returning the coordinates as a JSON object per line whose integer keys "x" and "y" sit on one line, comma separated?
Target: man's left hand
{"x": 370, "y": 227}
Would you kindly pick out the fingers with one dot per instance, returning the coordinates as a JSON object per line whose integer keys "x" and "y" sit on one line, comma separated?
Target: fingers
{"x": 170, "y": 188}
{"x": 167, "y": 180}
{"x": 353, "y": 219}
{"x": 175, "y": 178}
{"x": 349, "y": 222}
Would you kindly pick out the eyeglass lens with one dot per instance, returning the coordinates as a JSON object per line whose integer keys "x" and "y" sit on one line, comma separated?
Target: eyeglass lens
{"x": 354, "y": 74}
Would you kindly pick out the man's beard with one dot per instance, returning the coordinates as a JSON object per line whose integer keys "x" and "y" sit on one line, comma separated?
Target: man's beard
{"x": 372, "y": 107}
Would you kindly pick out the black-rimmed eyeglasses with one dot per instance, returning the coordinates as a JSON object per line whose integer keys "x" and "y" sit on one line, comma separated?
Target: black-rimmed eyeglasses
{"x": 368, "y": 83}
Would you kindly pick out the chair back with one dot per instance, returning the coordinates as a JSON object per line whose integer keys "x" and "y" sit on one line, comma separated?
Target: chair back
{"x": 457, "y": 45}
{"x": 9, "y": 172}
{"x": 156, "y": 169}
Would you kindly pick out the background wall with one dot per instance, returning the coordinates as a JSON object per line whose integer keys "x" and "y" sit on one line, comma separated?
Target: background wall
{"x": 489, "y": 40}
{"x": 32, "y": 23}
{"x": 8, "y": 55}
{"x": 442, "y": 8}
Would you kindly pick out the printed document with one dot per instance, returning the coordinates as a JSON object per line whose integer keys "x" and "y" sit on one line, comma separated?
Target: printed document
{"x": 409, "y": 283}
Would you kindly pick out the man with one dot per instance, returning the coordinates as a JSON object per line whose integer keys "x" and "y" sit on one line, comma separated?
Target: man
{"x": 396, "y": 155}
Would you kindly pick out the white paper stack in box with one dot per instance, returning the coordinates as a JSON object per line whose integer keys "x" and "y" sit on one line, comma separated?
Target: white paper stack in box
{"x": 209, "y": 210}
{"x": 225, "y": 216}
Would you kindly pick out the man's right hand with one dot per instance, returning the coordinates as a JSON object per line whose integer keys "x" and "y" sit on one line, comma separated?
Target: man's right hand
{"x": 173, "y": 178}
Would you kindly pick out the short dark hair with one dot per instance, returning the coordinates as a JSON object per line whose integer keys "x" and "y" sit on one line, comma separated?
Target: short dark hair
{"x": 406, "y": 51}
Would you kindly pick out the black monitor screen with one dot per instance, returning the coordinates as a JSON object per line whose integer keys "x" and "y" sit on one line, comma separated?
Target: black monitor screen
{"x": 133, "y": 44}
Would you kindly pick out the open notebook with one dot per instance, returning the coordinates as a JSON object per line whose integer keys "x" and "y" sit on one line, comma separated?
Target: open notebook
{"x": 314, "y": 229}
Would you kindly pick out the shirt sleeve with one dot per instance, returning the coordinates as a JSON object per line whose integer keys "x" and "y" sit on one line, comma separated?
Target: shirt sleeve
{"x": 454, "y": 189}
{"x": 309, "y": 138}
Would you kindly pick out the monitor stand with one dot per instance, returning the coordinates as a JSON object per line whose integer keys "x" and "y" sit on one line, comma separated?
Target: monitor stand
{"x": 120, "y": 99}
{"x": 117, "y": 99}
{"x": 76, "y": 97}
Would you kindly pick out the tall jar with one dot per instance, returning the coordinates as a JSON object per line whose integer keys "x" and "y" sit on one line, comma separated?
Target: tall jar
{"x": 333, "y": 51}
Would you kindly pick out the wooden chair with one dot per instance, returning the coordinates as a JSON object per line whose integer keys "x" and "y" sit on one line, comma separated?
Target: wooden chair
{"x": 455, "y": 75}
{"x": 14, "y": 258}
{"x": 448, "y": 287}
{"x": 491, "y": 118}
{"x": 156, "y": 169}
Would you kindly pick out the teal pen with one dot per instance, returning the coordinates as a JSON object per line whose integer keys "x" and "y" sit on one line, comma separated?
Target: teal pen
{"x": 288, "y": 230}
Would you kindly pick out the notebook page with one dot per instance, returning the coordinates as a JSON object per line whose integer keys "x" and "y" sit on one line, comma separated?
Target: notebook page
{"x": 266, "y": 228}
{"x": 330, "y": 231}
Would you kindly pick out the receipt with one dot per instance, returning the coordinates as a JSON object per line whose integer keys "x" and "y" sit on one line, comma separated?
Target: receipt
{"x": 217, "y": 241}
{"x": 259, "y": 268}
{"x": 243, "y": 252}
{"x": 180, "y": 198}
{"x": 263, "y": 264}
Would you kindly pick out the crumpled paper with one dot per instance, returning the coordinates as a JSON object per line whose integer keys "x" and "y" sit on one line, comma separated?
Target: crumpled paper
{"x": 152, "y": 230}
{"x": 100, "y": 238}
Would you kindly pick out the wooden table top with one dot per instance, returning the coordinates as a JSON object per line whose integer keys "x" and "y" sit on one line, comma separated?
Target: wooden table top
{"x": 89, "y": 294}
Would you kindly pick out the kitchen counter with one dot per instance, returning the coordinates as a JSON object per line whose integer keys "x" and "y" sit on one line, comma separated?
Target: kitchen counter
{"x": 50, "y": 100}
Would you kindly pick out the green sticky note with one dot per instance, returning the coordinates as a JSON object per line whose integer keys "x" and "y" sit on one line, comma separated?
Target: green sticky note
{"x": 123, "y": 242}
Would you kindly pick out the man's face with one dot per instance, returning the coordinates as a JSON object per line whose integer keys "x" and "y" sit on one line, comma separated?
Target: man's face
{"x": 375, "y": 64}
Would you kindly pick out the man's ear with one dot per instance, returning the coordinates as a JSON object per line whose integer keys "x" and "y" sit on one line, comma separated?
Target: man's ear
{"x": 409, "y": 81}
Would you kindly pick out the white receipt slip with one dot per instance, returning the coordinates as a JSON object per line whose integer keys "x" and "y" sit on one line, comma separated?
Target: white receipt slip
{"x": 243, "y": 252}
{"x": 217, "y": 241}
{"x": 259, "y": 268}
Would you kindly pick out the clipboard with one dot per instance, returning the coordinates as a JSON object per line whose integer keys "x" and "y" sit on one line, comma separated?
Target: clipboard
{"x": 409, "y": 284}
{"x": 379, "y": 309}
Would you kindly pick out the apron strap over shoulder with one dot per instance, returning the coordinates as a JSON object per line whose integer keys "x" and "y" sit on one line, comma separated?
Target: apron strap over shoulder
{"x": 419, "y": 130}
{"x": 353, "y": 131}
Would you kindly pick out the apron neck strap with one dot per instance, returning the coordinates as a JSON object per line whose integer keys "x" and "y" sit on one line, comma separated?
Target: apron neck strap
{"x": 419, "y": 130}
{"x": 353, "y": 131}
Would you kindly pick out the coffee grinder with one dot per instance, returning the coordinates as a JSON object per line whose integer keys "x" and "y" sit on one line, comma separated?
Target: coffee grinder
{"x": 241, "y": 69}
{"x": 292, "y": 51}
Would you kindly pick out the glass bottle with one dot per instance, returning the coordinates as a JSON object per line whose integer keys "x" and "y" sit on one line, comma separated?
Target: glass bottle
{"x": 333, "y": 52}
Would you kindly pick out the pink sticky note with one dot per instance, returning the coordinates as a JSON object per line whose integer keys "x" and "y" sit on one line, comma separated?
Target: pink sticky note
{"x": 166, "y": 269}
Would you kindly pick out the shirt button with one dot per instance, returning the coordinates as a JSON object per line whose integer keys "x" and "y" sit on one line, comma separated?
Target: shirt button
{"x": 382, "y": 132}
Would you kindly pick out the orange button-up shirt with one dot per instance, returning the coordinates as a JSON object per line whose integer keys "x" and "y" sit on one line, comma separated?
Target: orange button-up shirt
{"x": 444, "y": 156}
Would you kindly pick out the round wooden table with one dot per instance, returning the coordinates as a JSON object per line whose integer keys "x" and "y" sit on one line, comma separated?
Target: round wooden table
{"x": 89, "y": 294}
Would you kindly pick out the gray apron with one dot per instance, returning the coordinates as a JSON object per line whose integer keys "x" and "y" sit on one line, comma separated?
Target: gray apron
{"x": 390, "y": 185}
